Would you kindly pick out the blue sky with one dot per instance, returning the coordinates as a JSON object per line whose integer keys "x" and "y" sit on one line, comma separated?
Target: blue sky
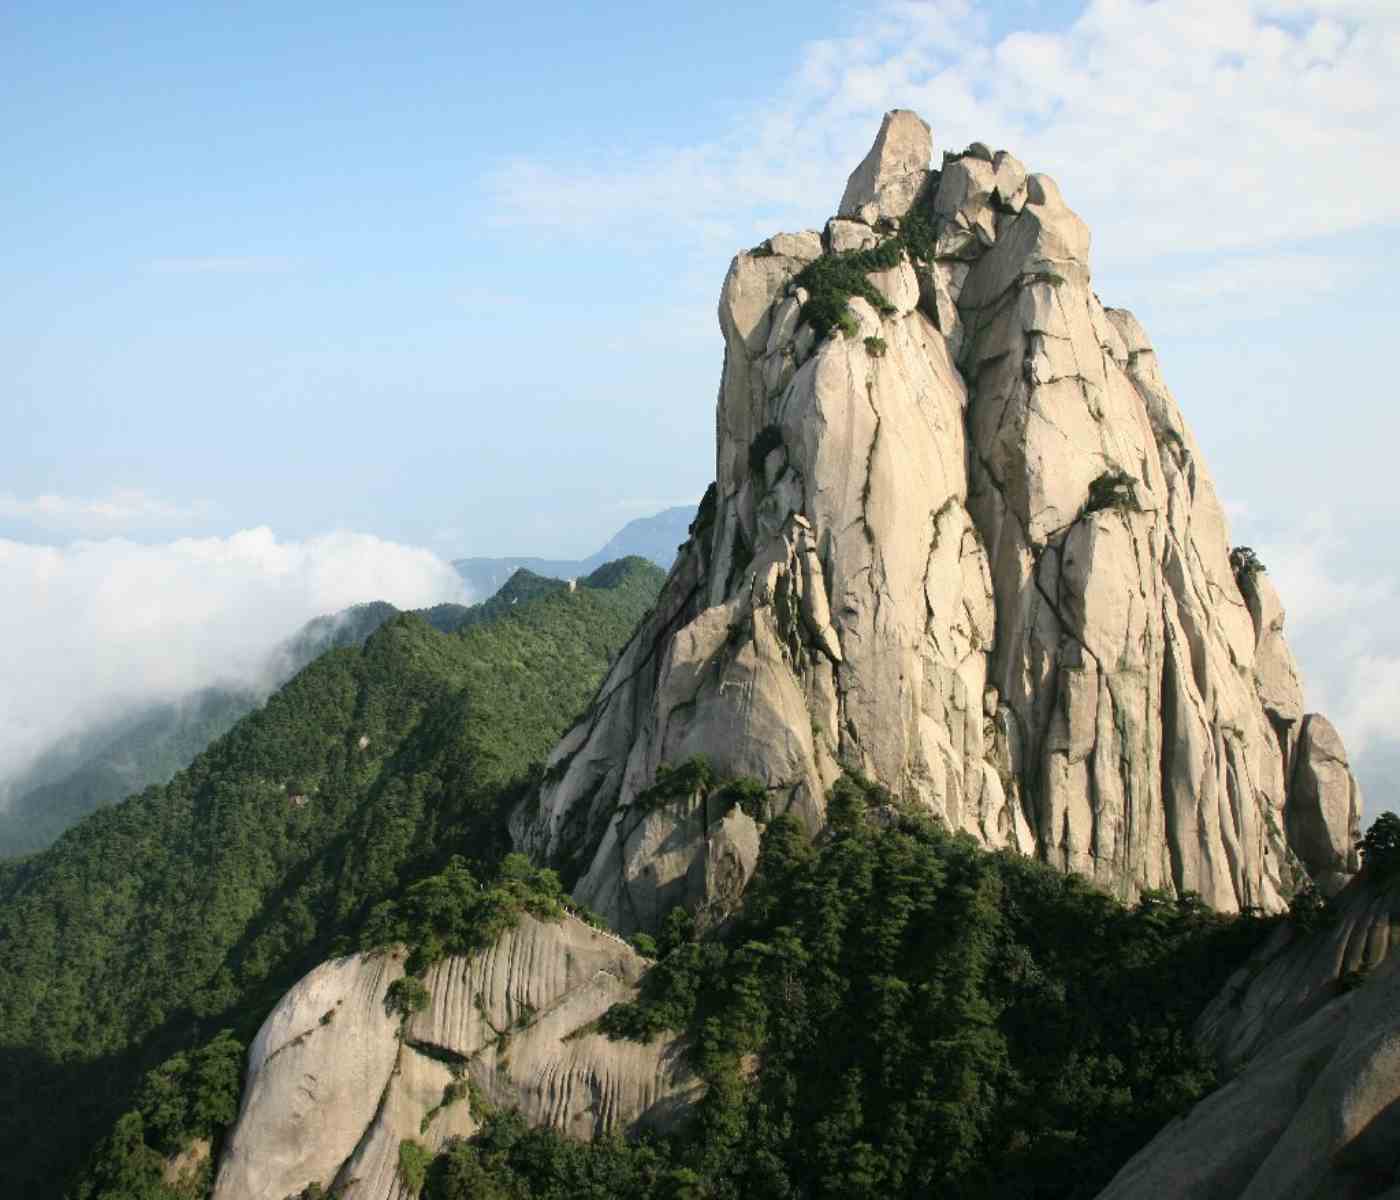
{"x": 443, "y": 276}
{"x": 260, "y": 268}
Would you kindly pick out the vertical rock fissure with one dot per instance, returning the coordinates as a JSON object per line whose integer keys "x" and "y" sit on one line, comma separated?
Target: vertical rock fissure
{"x": 342, "y": 1183}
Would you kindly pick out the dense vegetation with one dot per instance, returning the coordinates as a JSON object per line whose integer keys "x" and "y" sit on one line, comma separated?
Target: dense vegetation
{"x": 1380, "y": 848}
{"x": 451, "y": 913}
{"x": 109, "y": 763}
{"x": 157, "y": 923}
{"x": 894, "y": 1012}
{"x": 900, "y": 1013}
{"x": 831, "y": 281}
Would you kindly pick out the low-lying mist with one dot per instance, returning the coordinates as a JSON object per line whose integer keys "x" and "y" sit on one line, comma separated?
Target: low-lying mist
{"x": 94, "y": 629}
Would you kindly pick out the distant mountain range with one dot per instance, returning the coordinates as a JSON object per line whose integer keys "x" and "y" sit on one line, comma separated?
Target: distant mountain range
{"x": 655, "y": 538}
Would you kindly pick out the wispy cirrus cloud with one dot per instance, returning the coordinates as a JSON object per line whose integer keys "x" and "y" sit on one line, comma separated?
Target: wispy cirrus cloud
{"x": 1260, "y": 276}
{"x": 1199, "y": 125}
{"x": 122, "y": 507}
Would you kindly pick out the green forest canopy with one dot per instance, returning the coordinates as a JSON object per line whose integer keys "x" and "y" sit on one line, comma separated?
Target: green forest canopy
{"x": 900, "y": 1013}
{"x": 156, "y": 923}
{"x": 895, "y": 1011}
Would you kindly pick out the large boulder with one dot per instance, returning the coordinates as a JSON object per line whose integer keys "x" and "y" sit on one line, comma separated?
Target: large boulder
{"x": 335, "y": 1081}
{"x": 893, "y": 172}
{"x": 316, "y": 1073}
{"x": 1324, "y": 819}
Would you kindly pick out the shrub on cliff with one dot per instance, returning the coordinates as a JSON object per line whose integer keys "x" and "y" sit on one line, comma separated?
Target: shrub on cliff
{"x": 1380, "y": 848}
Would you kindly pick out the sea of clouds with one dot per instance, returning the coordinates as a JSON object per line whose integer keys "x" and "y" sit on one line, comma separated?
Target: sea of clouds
{"x": 97, "y": 627}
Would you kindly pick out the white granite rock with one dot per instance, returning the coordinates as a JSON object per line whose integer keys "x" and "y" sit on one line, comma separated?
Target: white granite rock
{"x": 891, "y": 175}
{"x": 844, "y": 236}
{"x": 1324, "y": 816}
{"x": 334, "y": 1085}
{"x": 1000, "y": 493}
{"x": 1312, "y": 1107}
{"x": 316, "y": 1071}
{"x": 804, "y": 247}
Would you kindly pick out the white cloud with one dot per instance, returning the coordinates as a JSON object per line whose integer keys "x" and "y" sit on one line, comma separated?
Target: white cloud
{"x": 1341, "y": 600}
{"x": 1197, "y": 125}
{"x": 125, "y": 506}
{"x": 1260, "y": 282}
{"x": 98, "y": 625}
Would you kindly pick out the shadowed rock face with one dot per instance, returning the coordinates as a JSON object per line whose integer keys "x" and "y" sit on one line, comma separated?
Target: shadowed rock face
{"x": 1324, "y": 816}
{"x": 972, "y": 550}
{"x": 1313, "y": 1110}
{"x": 334, "y": 1084}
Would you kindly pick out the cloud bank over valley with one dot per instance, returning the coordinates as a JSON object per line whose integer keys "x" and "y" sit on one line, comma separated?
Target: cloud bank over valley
{"x": 97, "y": 627}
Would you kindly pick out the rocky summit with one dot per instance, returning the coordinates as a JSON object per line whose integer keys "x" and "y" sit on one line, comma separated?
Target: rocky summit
{"x": 962, "y": 557}
{"x": 963, "y": 542}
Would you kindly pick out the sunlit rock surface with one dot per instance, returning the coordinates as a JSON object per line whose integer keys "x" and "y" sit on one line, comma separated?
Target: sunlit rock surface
{"x": 971, "y": 549}
{"x": 334, "y": 1084}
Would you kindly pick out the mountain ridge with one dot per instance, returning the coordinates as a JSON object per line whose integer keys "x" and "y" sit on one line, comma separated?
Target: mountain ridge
{"x": 137, "y": 749}
{"x": 655, "y": 538}
{"x": 957, "y": 648}
{"x": 148, "y": 746}
{"x": 189, "y": 908}
{"x": 950, "y": 773}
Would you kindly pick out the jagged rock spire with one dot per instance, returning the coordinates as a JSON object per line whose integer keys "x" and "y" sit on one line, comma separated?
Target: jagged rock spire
{"x": 968, "y": 546}
{"x": 893, "y": 173}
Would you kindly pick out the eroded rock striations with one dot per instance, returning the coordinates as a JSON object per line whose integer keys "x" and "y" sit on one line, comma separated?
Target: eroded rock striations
{"x": 335, "y": 1082}
{"x": 968, "y": 546}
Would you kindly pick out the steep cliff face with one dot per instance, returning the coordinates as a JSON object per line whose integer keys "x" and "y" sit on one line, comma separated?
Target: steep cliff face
{"x": 964, "y": 542}
{"x": 1310, "y": 1028}
{"x": 335, "y": 1083}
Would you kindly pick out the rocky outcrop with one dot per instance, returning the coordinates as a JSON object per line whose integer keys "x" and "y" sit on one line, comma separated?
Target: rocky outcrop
{"x": 1311, "y": 1025}
{"x": 893, "y": 173}
{"x": 968, "y": 547}
{"x": 1324, "y": 818}
{"x": 1295, "y": 975}
{"x": 335, "y": 1082}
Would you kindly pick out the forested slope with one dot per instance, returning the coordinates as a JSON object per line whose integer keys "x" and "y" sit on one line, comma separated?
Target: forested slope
{"x": 899, "y": 1012}
{"x": 104, "y": 765}
{"x": 157, "y": 922}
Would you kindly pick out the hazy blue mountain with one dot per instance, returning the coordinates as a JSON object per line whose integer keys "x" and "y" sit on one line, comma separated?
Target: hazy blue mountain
{"x": 655, "y": 538}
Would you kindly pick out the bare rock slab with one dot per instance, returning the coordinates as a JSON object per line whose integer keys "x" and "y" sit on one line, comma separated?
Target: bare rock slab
{"x": 334, "y": 1083}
